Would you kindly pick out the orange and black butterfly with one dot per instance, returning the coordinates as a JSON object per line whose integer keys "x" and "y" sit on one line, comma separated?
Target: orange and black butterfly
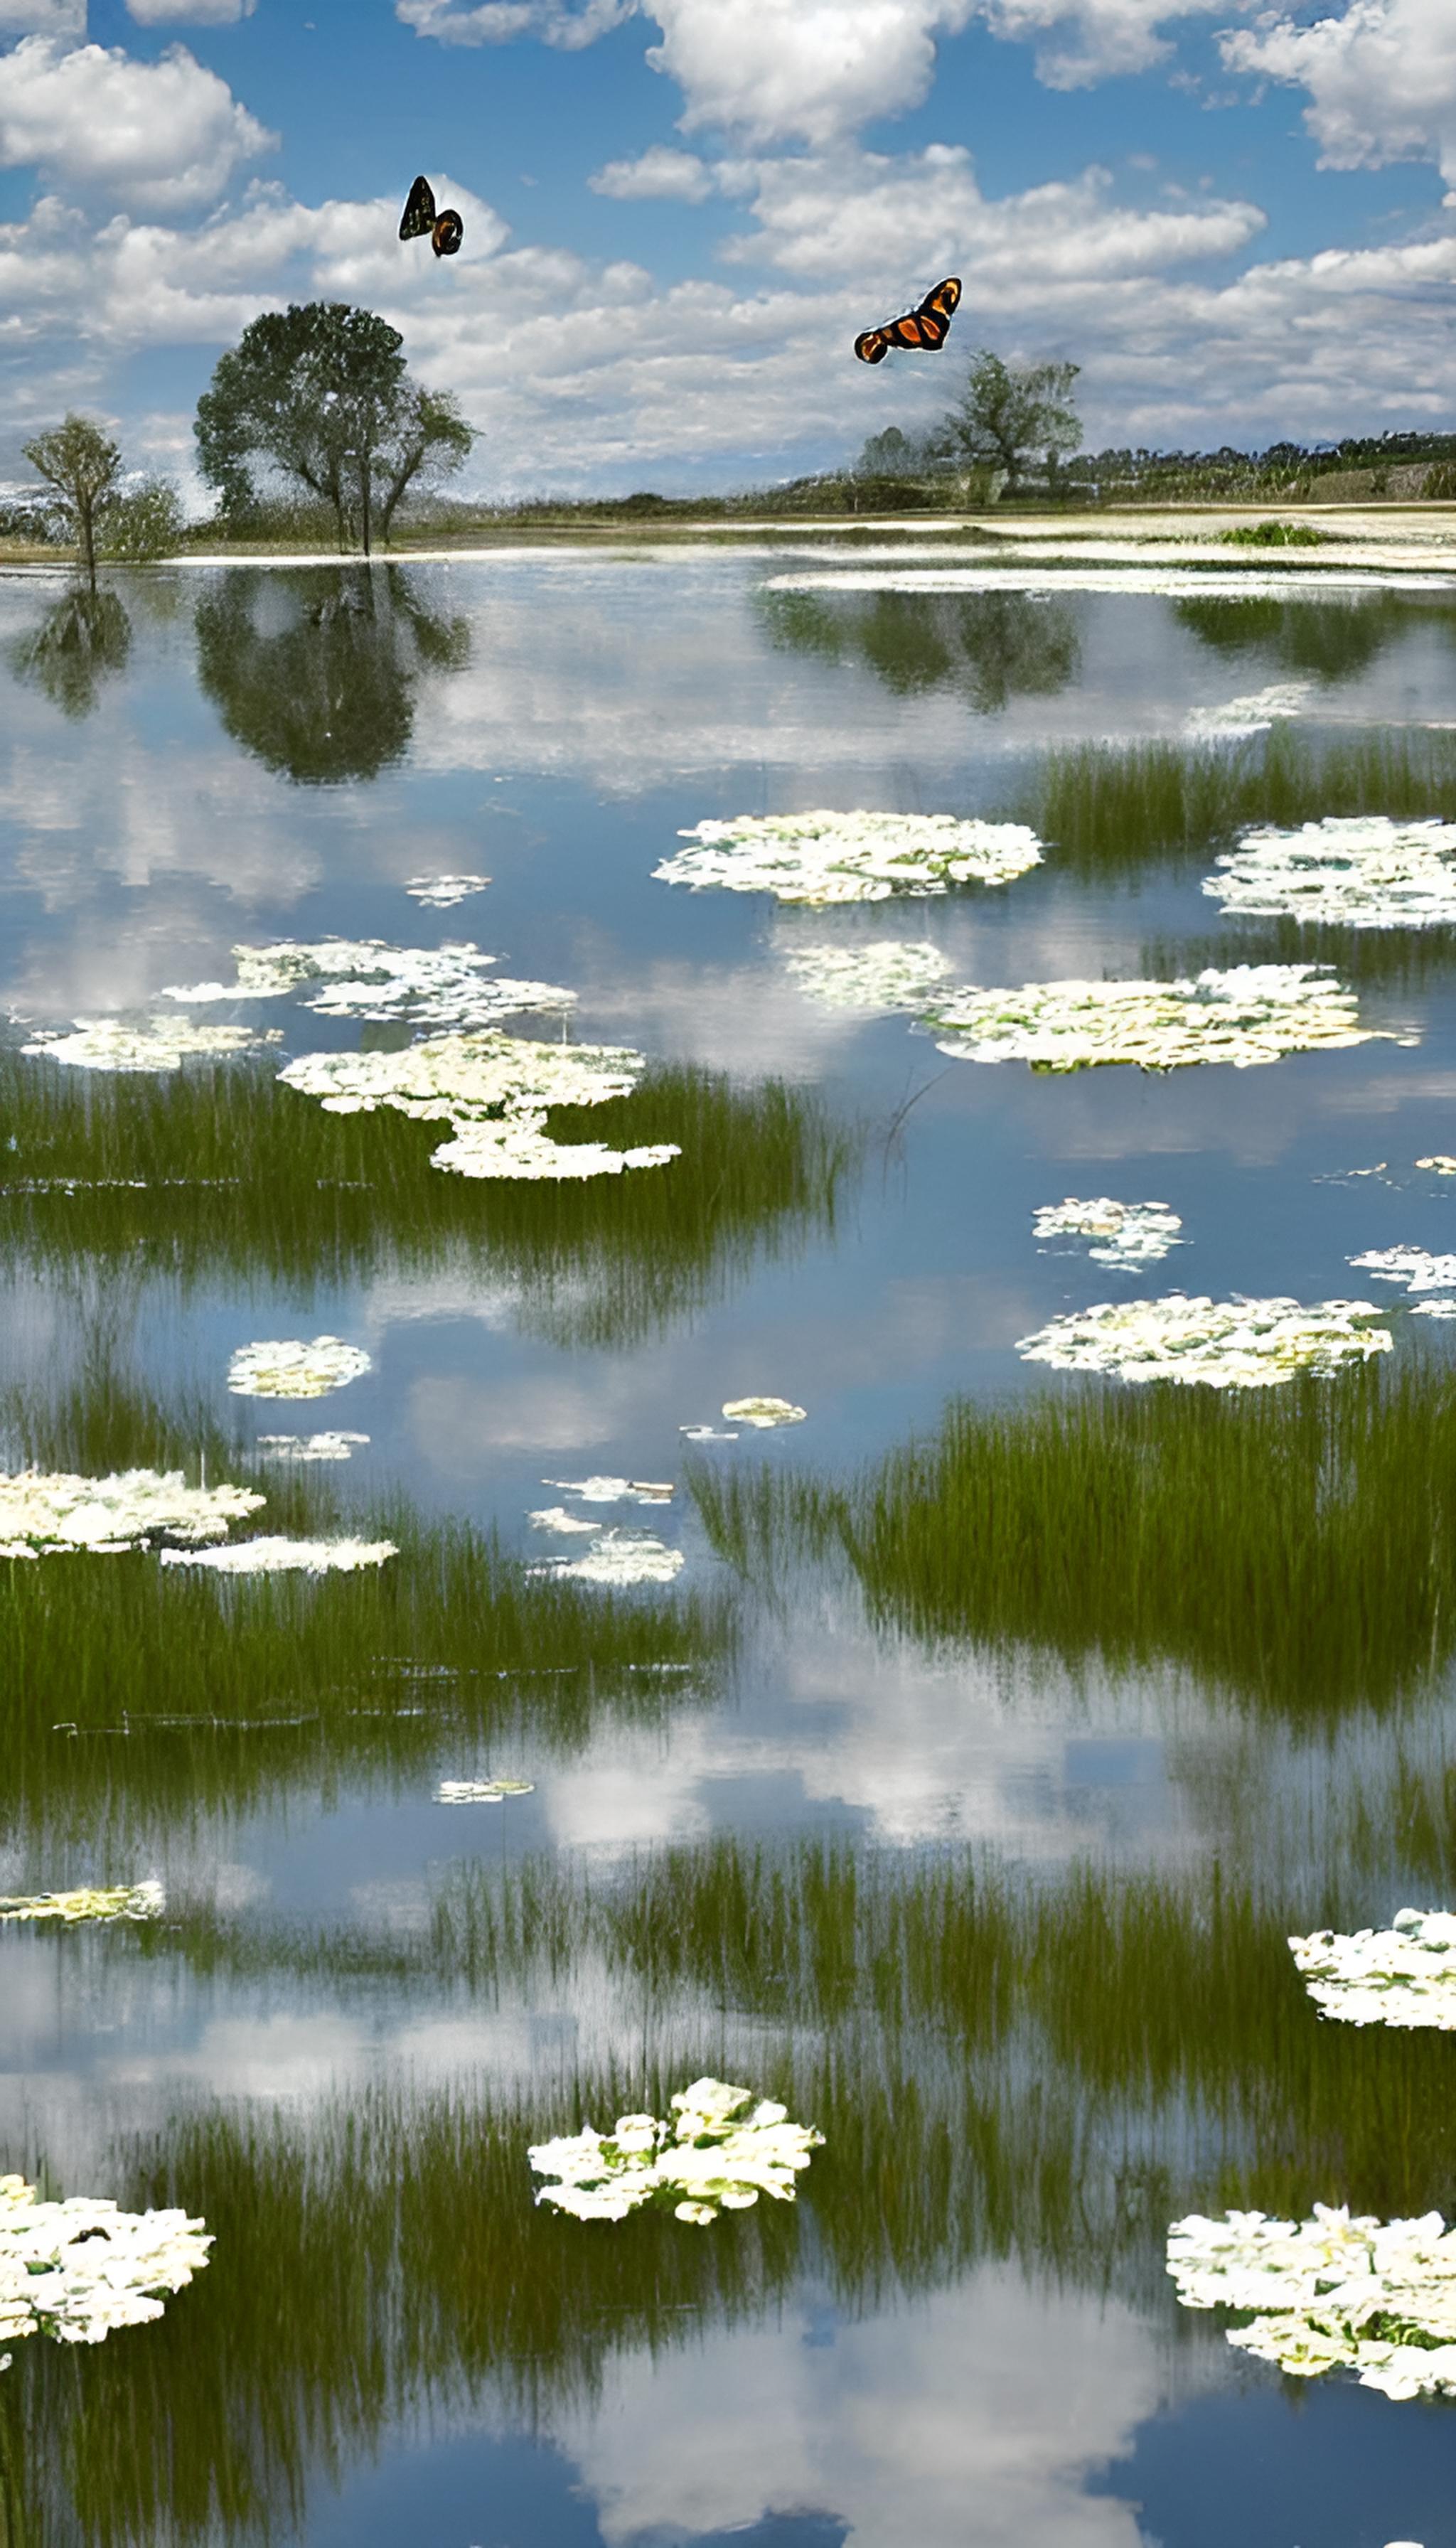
{"x": 920, "y": 331}
{"x": 444, "y": 230}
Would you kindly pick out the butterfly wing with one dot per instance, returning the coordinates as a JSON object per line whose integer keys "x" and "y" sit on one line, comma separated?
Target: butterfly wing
{"x": 447, "y": 233}
{"x": 872, "y": 346}
{"x": 419, "y": 212}
{"x": 919, "y": 332}
{"x": 936, "y": 311}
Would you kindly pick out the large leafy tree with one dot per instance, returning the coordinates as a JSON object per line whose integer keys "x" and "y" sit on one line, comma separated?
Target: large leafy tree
{"x": 1007, "y": 418}
{"x": 83, "y": 465}
{"x": 317, "y": 397}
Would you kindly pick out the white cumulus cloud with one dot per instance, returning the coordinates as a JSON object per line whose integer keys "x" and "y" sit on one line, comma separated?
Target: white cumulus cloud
{"x": 194, "y": 13}
{"x": 659, "y": 175}
{"x": 1079, "y": 42}
{"x": 163, "y": 136}
{"x": 66, "y": 19}
{"x": 496, "y": 22}
{"x": 1381, "y": 79}
{"x": 774, "y": 70}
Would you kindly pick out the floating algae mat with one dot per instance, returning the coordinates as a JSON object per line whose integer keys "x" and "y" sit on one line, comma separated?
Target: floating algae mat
{"x": 1227, "y": 1344}
{"x": 718, "y": 2153}
{"x": 88, "y": 1902}
{"x": 1413, "y": 1267}
{"x": 497, "y": 1090}
{"x": 1404, "y": 1975}
{"x": 50, "y": 1515}
{"x": 1247, "y": 1014}
{"x": 285, "y": 1556}
{"x": 1330, "y": 2294}
{"x": 442, "y": 892}
{"x": 1126, "y": 1234}
{"x": 1361, "y": 872}
{"x": 104, "y": 1043}
{"x": 763, "y": 1413}
{"x": 824, "y": 857}
{"x": 366, "y": 978}
{"x": 287, "y": 1368}
{"x": 894, "y": 973}
{"x": 78, "y": 2270}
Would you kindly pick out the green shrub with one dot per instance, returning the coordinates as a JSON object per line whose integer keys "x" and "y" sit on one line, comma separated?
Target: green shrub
{"x": 1274, "y": 535}
{"x": 144, "y": 525}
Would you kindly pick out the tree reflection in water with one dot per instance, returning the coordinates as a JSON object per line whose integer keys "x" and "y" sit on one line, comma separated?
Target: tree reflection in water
{"x": 317, "y": 669}
{"x": 1330, "y": 638}
{"x": 82, "y": 638}
{"x": 993, "y": 647}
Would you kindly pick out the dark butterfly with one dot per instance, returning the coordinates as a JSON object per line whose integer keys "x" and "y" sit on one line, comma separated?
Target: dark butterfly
{"x": 920, "y": 331}
{"x": 444, "y": 230}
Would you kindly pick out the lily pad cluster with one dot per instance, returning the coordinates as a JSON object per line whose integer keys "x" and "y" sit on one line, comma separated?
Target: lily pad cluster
{"x": 1352, "y": 872}
{"x": 1126, "y": 1234}
{"x": 1415, "y": 1268}
{"x": 1246, "y": 1015}
{"x": 495, "y": 1091}
{"x": 308, "y": 1447}
{"x": 1226, "y": 1344}
{"x": 367, "y": 978}
{"x": 825, "y": 857}
{"x": 88, "y": 1902}
{"x": 49, "y": 1515}
{"x": 285, "y": 1556}
{"x": 287, "y": 1368}
{"x": 481, "y": 1791}
{"x": 442, "y": 892}
{"x": 1251, "y": 714}
{"x": 1329, "y": 2293}
{"x": 165, "y": 1044}
{"x": 78, "y": 2270}
{"x": 889, "y": 974}
{"x": 717, "y": 2151}
{"x": 1404, "y": 1975}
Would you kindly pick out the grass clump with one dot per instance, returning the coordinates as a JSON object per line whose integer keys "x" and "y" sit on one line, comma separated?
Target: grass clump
{"x": 1274, "y": 535}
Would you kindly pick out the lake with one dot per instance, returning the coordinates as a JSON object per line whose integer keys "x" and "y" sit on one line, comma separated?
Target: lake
{"x": 948, "y": 1761}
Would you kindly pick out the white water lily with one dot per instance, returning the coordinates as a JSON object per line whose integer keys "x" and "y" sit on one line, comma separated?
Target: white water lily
{"x": 287, "y": 1368}
{"x": 718, "y": 2151}
{"x": 1413, "y": 1267}
{"x": 495, "y": 1091}
{"x": 1227, "y": 1344}
{"x": 481, "y": 1791}
{"x": 287, "y": 1556}
{"x": 615, "y": 1491}
{"x": 103, "y": 1043}
{"x": 365, "y": 977}
{"x": 88, "y": 1902}
{"x": 442, "y": 892}
{"x": 309, "y": 1446}
{"x": 1247, "y": 1014}
{"x": 762, "y": 1412}
{"x": 51, "y": 1513}
{"x": 1357, "y": 871}
{"x": 889, "y": 974}
{"x": 1378, "y": 2297}
{"x": 1128, "y": 1234}
{"x": 1404, "y": 1975}
{"x": 80, "y": 2269}
{"x": 619, "y": 1556}
{"x": 1255, "y": 713}
{"x": 825, "y": 857}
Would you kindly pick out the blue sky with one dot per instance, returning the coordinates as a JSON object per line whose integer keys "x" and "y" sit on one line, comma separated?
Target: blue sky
{"x": 1239, "y": 219}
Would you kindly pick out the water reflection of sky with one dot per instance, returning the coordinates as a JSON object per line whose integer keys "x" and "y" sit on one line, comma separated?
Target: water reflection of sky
{"x": 554, "y": 723}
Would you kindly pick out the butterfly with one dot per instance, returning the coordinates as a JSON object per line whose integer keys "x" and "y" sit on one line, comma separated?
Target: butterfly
{"x": 920, "y": 331}
{"x": 444, "y": 230}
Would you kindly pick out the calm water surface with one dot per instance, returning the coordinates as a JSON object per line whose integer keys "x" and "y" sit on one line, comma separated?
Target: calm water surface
{"x": 981, "y": 1856}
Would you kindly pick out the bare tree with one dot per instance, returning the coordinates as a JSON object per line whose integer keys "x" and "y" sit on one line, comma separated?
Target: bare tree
{"x": 83, "y": 465}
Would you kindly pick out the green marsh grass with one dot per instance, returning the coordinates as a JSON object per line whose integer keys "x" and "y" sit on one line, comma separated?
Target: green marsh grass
{"x": 1295, "y": 1547}
{"x": 601, "y": 1262}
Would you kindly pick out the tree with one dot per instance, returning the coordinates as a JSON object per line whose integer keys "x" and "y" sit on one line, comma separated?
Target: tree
{"x": 83, "y": 465}
{"x": 145, "y": 524}
{"x": 1008, "y": 417}
{"x": 318, "y": 396}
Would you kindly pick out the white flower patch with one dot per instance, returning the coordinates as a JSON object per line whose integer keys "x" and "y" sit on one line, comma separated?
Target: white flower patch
{"x": 1128, "y": 1234}
{"x": 442, "y": 892}
{"x": 49, "y": 1515}
{"x": 88, "y": 1902}
{"x": 284, "y": 1368}
{"x": 1440, "y": 1164}
{"x": 1404, "y": 1975}
{"x": 103, "y": 1043}
{"x": 1415, "y": 1267}
{"x": 889, "y": 974}
{"x": 309, "y": 1446}
{"x": 718, "y": 2151}
{"x": 615, "y": 1491}
{"x": 1227, "y": 1344}
{"x": 1250, "y": 1014}
{"x": 619, "y": 1556}
{"x": 496, "y": 1090}
{"x": 481, "y": 1791}
{"x": 1255, "y": 713}
{"x": 78, "y": 2270}
{"x": 287, "y": 1556}
{"x": 762, "y": 1412}
{"x": 364, "y": 977}
{"x": 1330, "y": 2293}
{"x": 825, "y": 857}
{"x": 1358, "y": 871}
